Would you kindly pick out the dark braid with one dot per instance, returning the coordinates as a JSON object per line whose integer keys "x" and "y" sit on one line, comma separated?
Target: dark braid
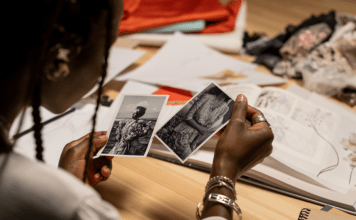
{"x": 37, "y": 78}
{"x": 101, "y": 82}
{"x": 36, "y": 102}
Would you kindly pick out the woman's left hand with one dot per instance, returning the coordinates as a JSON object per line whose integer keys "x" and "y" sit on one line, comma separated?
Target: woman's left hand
{"x": 73, "y": 159}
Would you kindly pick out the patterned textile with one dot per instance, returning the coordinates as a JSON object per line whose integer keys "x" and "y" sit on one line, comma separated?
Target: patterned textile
{"x": 127, "y": 135}
{"x": 181, "y": 137}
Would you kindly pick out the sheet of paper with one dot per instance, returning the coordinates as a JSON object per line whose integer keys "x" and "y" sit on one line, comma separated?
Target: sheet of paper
{"x": 119, "y": 60}
{"x": 196, "y": 122}
{"x": 133, "y": 125}
{"x": 339, "y": 136}
{"x": 187, "y": 64}
{"x": 251, "y": 91}
{"x": 57, "y": 134}
{"x": 305, "y": 134}
{"x": 343, "y": 141}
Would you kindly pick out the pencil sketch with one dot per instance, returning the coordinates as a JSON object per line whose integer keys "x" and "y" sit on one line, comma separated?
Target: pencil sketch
{"x": 196, "y": 122}
{"x": 350, "y": 146}
{"x": 310, "y": 115}
{"x": 275, "y": 100}
{"x": 291, "y": 136}
{"x": 132, "y": 130}
{"x": 323, "y": 122}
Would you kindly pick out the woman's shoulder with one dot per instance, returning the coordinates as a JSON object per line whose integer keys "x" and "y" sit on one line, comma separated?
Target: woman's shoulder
{"x": 35, "y": 189}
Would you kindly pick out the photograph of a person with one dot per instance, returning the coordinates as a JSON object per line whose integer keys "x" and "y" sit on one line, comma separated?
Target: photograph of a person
{"x": 133, "y": 127}
{"x": 198, "y": 120}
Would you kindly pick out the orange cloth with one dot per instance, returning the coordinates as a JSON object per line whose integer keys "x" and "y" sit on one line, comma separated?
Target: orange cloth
{"x": 140, "y": 15}
{"x": 228, "y": 25}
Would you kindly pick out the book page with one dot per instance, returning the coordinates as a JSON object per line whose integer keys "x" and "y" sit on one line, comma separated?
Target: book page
{"x": 308, "y": 136}
{"x": 277, "y": 100}
{"x": 343, "y": 142}
{"x": 302, "y": 149}
{"x": 251, "y": 91}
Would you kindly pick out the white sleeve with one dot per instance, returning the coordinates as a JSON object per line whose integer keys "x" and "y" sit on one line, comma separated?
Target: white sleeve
{"x": 214, "y": 218}
{"x": 94, "y": 208}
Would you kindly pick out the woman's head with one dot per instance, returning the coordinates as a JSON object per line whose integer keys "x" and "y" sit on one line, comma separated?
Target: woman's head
{"x": 56, "y": 50}
{"x": 61, "y": 45}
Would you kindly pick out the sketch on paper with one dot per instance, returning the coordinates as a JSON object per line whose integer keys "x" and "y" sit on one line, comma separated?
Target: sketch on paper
{"x": 321, "y": 121}
{"x": 275, "y": 100}
{"x": 350, "y": 146}
{"x": 312, "y": 116}
{"x": 292, "y": 138}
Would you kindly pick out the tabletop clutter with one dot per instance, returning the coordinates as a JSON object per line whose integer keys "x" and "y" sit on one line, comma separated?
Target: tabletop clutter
{"x": 321, "y": 52}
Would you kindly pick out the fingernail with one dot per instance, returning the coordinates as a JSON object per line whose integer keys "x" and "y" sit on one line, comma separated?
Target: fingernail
{"x": 97, "y": 176}
{"x": 102, "y": 136}
{"x": 240, "y": 98}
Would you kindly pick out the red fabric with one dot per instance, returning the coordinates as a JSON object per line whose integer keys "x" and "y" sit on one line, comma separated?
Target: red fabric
{"x": 140, "y": 15}
{"x": 228, "y": 25}
{"x": 176, "y": 96}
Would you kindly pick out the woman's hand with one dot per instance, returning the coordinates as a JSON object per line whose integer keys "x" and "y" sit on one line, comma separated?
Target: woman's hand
{"x": 242, "y": 146}
{"x": 73, "y": 159}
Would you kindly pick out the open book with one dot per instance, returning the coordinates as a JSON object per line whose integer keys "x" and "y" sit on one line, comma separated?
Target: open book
{"x": 313, "y": 151}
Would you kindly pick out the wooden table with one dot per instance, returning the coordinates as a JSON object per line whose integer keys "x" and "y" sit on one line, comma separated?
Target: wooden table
{"x": 147, "y": 188}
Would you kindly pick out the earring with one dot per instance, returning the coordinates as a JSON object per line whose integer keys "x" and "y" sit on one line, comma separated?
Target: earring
{"x": 59, "y": 69}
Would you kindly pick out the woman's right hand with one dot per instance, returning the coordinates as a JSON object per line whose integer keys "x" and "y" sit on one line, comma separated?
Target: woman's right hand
{"x": 242, "y": 146}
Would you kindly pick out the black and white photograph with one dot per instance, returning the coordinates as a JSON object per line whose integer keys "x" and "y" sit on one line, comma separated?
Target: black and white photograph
{"x": 205, "y": 114}
{"x": 133, "y": 127}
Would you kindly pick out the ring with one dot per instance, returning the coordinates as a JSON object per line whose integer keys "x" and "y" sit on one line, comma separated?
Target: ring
{"x": 260, "y": 118}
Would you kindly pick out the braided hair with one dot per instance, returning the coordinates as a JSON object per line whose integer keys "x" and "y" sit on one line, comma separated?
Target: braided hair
{"x": 71, "y": 14}
{"x": 101, "y": 82}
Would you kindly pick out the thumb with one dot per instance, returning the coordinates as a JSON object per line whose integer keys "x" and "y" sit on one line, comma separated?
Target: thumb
{"x": 240, "y": 108}
{"x": 238, "y": 117}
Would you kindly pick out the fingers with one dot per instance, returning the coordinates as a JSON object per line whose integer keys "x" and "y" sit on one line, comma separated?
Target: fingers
{"x": 252, "y": 113}
{"x": 240, "y": 108}
{"x": 105, "y": 171}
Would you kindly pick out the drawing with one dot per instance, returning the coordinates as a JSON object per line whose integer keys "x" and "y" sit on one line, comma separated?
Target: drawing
{"x": 350, "y": 145}
{"x": 290, "y": 136}
{"x": 275, "y": 100}
{"x": 308, "y": 114}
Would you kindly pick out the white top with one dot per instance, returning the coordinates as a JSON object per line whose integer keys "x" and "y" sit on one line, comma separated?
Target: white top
{"x": 32, "y": 190}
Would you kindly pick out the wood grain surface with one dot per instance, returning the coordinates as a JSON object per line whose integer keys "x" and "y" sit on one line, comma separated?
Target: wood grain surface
{"x": 151, "y": 189}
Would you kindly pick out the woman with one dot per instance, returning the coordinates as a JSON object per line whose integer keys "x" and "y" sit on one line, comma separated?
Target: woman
{"x": 59, "y": 61}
